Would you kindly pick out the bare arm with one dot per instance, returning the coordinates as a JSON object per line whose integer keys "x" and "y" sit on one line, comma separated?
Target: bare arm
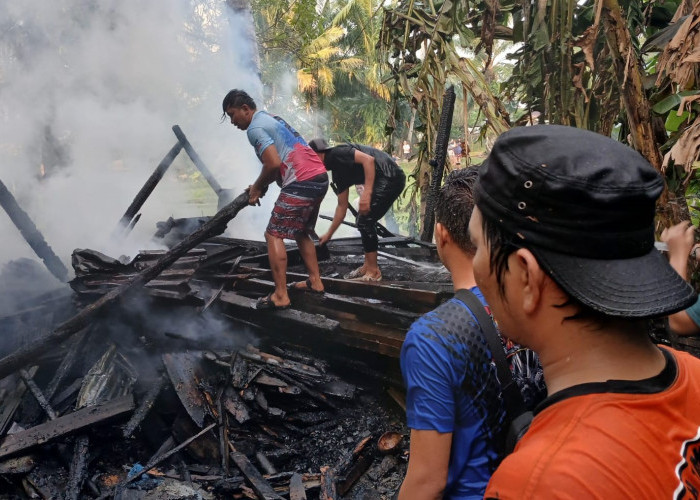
{"x": 367, "y": 163}
{"x": 680, "y": 239}
{"x": 682, "y": 324}
{"x": 338, "y": 217}
{"x": 271, "y": 163}
{"x": 426, "y": 476}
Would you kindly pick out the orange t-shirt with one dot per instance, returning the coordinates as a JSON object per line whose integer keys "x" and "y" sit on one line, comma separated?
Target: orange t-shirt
{"x": 611, "y": 440}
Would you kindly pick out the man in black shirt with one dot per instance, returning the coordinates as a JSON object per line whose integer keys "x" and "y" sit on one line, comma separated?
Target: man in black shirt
{"x": 383, "y": 182}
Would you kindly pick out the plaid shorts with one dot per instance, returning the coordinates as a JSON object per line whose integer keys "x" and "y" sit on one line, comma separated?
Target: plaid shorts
{"x": 296, "y": 208}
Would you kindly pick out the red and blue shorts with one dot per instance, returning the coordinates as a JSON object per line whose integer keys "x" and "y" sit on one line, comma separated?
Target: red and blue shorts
{"x": 296, "y": 208}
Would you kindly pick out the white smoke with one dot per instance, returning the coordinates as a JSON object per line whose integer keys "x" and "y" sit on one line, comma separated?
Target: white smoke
{"x": 100, "y": 84}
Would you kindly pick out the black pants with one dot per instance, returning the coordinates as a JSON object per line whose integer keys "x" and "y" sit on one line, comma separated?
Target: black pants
{"x": 384, "y": 194}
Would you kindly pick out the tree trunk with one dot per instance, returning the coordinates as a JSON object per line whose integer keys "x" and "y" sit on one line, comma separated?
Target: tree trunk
{"x": 672, "y": 207}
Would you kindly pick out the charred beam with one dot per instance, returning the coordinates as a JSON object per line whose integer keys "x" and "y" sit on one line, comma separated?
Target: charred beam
{"x": 66, "y": 363}
{"x": 148, "y": 187}
{"x": 206, "y": 173}
{"x": 38, "y": 395}
{"x": 78, "y": 468}
{"x": 262, "y": 488}
{"x": 80, "y": 419}
{"x": 31, "y": 234}
{"x": 23, "y": 356}
{"x": 145, "y": 406}
{"x": 329, "y": 484}
{"x": 438, "y": 163}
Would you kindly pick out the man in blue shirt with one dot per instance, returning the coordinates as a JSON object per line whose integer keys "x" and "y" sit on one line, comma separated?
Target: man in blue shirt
{"x": 453, "y": 402}
{"x": 288, "y": 160}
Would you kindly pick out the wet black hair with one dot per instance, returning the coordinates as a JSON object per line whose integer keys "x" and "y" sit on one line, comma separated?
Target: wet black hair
{"x": 237, "y": 98}
{"x": 454, "y": 206}
{"x": 502, "y": 244}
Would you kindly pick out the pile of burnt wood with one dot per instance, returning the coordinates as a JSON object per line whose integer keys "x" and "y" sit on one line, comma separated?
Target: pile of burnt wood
{"x": 182, "y": 389}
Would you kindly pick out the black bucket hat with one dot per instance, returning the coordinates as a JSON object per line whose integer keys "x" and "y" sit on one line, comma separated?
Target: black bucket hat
{"x": 319, "y": 145}
{"x": 584, "y": 205}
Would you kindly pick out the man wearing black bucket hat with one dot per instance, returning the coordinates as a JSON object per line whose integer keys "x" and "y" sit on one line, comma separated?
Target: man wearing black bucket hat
{"x": 565, "y": 257}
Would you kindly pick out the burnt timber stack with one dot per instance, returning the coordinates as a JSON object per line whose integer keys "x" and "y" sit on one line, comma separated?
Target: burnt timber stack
{"x": 241, "y": 408}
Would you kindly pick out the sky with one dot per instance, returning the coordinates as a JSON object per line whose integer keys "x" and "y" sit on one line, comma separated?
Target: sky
{"x": 91, "y": 90}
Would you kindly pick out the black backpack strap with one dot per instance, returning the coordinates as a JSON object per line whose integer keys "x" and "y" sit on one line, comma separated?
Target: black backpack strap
{"x": 512, "y": 398}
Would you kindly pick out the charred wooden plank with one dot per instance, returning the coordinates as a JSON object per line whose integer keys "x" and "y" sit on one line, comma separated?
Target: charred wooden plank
{"x": 265, "y": 463}
{"x": 244, "y": 307}
{"x": 78, "y": 468}
{"x": 296, "y": 488}
{"x": 411, "y": 298}
{"x": 223, "y": 431}
{"x": 332, "y": 304}
{"x": 349, "y": 471}
{"x": 144, "y": 407}
{"x": 38, "y": 395}
{"x": 309, "y": 391}
{"x": 67, "y": 362}
{"x": 65, "y": 424}
{"x": 216, "y": 224}
{"x": 185, "y": 373}
{"x": 11, "y": 402}
{"x": 262, "y": 488}
{"x": 329, "y": 487}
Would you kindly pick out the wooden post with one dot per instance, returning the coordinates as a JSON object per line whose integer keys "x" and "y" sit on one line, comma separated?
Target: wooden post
{"x": 31, "y": 234}
{"x": 438, "y": 163}
{"x": 149, "y": 186}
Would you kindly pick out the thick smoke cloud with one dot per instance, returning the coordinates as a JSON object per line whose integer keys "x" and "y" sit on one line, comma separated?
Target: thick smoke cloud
{"x": 89, "y": 91}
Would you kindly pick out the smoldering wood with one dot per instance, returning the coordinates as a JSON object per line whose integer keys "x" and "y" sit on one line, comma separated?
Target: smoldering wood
{"x": 78, "y": 467}
{"x": 144, "y": 407}
{"x": 65, "y": 424}
{"x": 22, "y": 356}
{"x": 149, "y": 186}
{"x": 262, "y": 488}
{"x": 206, "y": 173}
{"x": 31, "y": 234}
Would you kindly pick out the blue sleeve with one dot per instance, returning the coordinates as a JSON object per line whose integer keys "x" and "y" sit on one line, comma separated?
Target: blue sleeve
{"x": 694, "y": 312}
{"x": 431, "y": 379}
{"x": 260, "y": 139}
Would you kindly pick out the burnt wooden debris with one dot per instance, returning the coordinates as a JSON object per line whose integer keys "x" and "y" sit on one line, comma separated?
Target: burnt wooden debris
{"x": 214, "y": 413}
